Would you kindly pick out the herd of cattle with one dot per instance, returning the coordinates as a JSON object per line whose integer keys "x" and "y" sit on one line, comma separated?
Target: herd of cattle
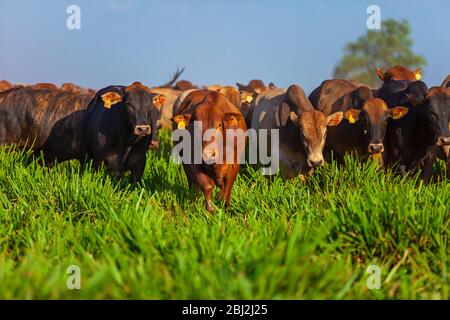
{"x": 403, "y": 124}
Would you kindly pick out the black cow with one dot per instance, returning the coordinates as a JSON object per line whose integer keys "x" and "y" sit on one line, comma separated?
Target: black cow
{"x": 412, "y": 141}
{"x": 121, "y": 124}
{"x": 28, "y": 115}
{"x": 363, "y": 134}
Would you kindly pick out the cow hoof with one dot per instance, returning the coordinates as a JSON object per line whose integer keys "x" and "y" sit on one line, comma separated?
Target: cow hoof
{"x": 210, "y": 207}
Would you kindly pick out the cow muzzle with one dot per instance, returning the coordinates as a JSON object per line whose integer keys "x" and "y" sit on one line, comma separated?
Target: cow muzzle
{"x": 376, "y": 148}
{"x": 142, "y": 130}
{"x": 210, "y": 153}
{"x": 209, "y": 157}
{"x": 315, "y": 163}
{"x": 443, "y": 141}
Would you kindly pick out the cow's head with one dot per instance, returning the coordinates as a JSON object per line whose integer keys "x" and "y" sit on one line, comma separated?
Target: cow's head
{"x": 207, "y": 109}
{"x": 142, "y": 107}
{"x": 184, "y": 85}
{"x": 232, "y": 94}
{"x": 254, "y": 86}
{"x": 436, "y": 115}
{"x": 373, "y": 116}
{"x": 247, "y": 98}
{"x": 399, "y": 73}
{"x": 311, "y": 125}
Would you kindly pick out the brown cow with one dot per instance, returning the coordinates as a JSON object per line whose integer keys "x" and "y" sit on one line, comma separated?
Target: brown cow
{"x": 301, "y": 128}
{"x": 215, "y": 114}
{"x": 398, "y": 72}
{"x": 184, "y": 85}
{"x": 71, "y": 87}
{"x": 364, "y": 137}
{"x": 5, "y": 85}
{"x": 44, "y": 86}
{"x": 241, "y": 99}
{"x": 213, "y": 87}
{"x": 237, "y": 97}
{"x": 254, "y": 86}
{"x": 232, "y": 94}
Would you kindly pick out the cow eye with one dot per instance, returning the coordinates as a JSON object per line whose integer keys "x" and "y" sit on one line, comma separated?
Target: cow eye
{"x": 303, "y": 137}
{"x": 219, "y": 125}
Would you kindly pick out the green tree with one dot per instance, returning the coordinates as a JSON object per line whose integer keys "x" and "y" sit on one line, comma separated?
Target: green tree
{"x": 378, "y": 49}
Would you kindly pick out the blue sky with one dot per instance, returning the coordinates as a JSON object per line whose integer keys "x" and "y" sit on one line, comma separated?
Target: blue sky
{"x": 218, "y": 41}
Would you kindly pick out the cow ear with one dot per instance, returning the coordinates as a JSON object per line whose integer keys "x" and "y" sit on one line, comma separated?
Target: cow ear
{"x": 352, "y": 115}
{"x": 240, "y": 86}
{"x": 418, "y": 74}
{"x": 282, "y": 116}
{"x": 335, "y": 118}
{"x": 380, "y": 74}
{"x": 398, "y": 112}
{"x": 159, "y": 100}
{"x": 417, "y": 93}
{"x": 293, "y": 116}
{"x": 110, "y": 98}
{"x": 182, "y": 120}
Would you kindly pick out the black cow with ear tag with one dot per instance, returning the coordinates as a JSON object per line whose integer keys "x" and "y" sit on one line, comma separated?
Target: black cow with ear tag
{"x": 120, "y": 125}
{"x": 415, "y": 140}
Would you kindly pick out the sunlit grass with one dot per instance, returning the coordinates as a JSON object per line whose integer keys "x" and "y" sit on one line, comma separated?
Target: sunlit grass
{"x": 279, "y": 240}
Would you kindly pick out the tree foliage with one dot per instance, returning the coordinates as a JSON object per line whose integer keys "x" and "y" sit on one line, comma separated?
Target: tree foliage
{"x": 378, "y": 49}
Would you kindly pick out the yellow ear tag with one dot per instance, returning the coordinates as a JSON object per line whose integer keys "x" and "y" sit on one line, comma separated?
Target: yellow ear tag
{"x": 249, "y": 99}
{"x": 181, "y": 124}
{"x": 107, "y": 104}
{"x": 351, "y": 119}
{"x": 110, "y": 98}
{"x": 418, "y": 76}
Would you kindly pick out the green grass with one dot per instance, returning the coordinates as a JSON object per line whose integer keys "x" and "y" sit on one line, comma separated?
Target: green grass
{"x": 279, "y": 240}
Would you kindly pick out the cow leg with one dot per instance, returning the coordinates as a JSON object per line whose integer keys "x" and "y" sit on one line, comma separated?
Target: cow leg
{"x": 229, "y": 181}
{"x": 447, "y": 169}
{"x": 427, "y": 169}
{"x": 190, "y": 175}
{"x": 49, "y": 161}
{"x": 136, "y": 162}
{"x": 206, "y": 185}
{"x": 137, "y": 167}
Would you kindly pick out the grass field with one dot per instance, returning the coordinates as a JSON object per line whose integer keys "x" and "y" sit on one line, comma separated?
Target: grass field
{"x": 279, "y": 240}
